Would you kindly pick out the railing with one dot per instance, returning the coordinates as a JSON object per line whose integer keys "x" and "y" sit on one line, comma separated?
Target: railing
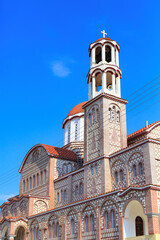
{"x": 146, "y": 237}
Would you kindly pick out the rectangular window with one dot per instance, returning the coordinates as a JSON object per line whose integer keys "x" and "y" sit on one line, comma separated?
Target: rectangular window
{"x": 41, "y": 178}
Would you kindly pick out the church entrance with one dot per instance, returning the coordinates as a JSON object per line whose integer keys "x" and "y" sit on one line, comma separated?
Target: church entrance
{"x": 20, "y": 234}
{"x": 6, "y": 236}
{"x": 139, "y": 226}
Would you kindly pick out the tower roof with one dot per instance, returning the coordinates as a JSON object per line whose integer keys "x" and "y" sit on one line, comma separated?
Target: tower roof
{"x": 77, "y": 109}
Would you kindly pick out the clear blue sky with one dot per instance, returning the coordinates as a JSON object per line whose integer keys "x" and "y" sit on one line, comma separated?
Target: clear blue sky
{"x": 44, "y": 62}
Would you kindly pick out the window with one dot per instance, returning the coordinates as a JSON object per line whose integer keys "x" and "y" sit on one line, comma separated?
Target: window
{"x": 34, "y": 233}
{"x": 96, "y": 167}
{"x": 72, "y": 224}
{"x": 30, "y": 183}
{"x": 53, "y": 228}
{"x": 113, "y": 115}
{"x": 98, "y": 54}
{"x": 45, "y": 176}
{"x": 76, "y": 190}
{"x": 92, "y": 223}
{"x": 69, "y": 167}
{"x": 86, "y": 224}
{"x": 113, "y": 218}
{"x": 118, "y": 116}
{"x": 106, "y": 220}
{"x": 116, "y": 177}
{"x": 139, "y": 226}
{"x": 34, "y": 180}
{"x": 92, "y": 169}
{"x": 134, "y": 171}
{"x": 121, "y": 175}
{"x": 64, "y": 168}
{"x": 140, "y": 168}
{"x": 27, "y": 184}
{"x": 58, "y": 197}
{"x": 93, "y": 112}
{"x": 57, "y": 230}
{"x": 37, "y": 233}
{"x": 108, "y": 54}
{"x": 37, "y": 179}
{"x": 97, "y": 113}
{"x": 49, "y": 231}
{"x": 69, "y": 132}
{"x": 90, "y": 119}
{"x": 41, "y": 178}
{"x": 24, "y": 186}
{"x": 81, "y": 188}
{"x": 65, "y": 195}
{"x": 76, "y": 131}
{"x": 61, "y": 195}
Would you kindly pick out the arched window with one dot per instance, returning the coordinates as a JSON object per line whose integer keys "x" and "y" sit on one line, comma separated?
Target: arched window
{"x": 34, "y": 180}
{"x": 64, "y": 168}
{"x": 27, "y": 184}
{"x": 108, "y": 54}
{"x": 34, "y": 233}
{"x": 76, "y": 190}
{"x": 37, "y": 179}
{"x": 98, "y": 54}
{"x": 45, "y": 176}
{"x": 96, "y": 167}
{"x": 65, "y": 195}
{"x": 109, "y": 113}
{"x": 140, "y": 168}
{"x": 30, "y": 183}
{"x": 116, "y": 177}
{"x": 139, "y": 226}
{"x": 53, "y": 228}
{"x": 97, "y": 115}
{"x": 92, "y": 169}
{"x": 90, "y": 119}
{"x": 86, "y": 224}
{"x": 69, "y": 167}
{"x": 24, "y": 186}
{"x": 106, "y": 220}
{"x": 69, "y": 133}
{"x": 72, "y": 225}
{"x": 41, "y": 178}
{"x": 37, "y": 234}
{"x": 93, "y": 113}
{"x": 76, "y": 131}
{"x": 49, "y": 231}
{"x": 134, "y": 171}
{"x": 121, "y": 175}
{"x": 57, "y": 230}
{"x": 118, "y": 116}
{"x": 113, "y": 218}
{"x": 61, "y": 195}
{"x": 58, "y": 197}
{"x": 92, "y": 223}
{"x": 113, "y": 113}
{"x": 81, "y": 188}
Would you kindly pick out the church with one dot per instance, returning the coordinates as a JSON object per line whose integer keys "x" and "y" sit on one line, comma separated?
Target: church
{"x": 102, "y": 184}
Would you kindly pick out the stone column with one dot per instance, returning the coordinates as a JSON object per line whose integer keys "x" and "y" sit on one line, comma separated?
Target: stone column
{"x": 93, "y": 56}
{"x": 89, "y": 92}
{"x": 104, "y": 75}
{"x": 98, "y": 224}
{"x": 113, "y": 83}
{"x": 120, "y": 227}
{"x": 79, "y": 235}
{"x": 93, "y": 86}
{"x": 112, "y": 55}
{"x": 103, "y": 54}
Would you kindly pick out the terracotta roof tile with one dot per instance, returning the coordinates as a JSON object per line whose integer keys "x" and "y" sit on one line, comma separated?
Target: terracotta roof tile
{"x": 142, "y": 130}
{"x": 60, "y": 152}
{"x": 107, "y": 38}
{"x": 77, "y": 109}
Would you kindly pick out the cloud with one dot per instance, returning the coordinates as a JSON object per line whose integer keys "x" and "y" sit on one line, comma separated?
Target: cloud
{"x": 4, "y": 197}
{"x": 60, "y": 70}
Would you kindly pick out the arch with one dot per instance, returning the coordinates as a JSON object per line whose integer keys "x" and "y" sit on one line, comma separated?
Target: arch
{"x": 20, "y": 233}
{"x": 133, "y": 210}
{"x": 107, "y": 53}
{"x": 72, "y": 227}
{"x": 98, "y": 54}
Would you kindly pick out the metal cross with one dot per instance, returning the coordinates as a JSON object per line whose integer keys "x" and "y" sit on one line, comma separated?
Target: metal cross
{"x": 103, "y": 32}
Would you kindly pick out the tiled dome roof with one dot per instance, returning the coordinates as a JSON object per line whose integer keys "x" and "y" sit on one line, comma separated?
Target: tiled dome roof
{"x": 77, "y": 109}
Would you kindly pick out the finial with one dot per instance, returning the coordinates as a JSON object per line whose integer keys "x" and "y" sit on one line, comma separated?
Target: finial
{"x": 103, "y": 32}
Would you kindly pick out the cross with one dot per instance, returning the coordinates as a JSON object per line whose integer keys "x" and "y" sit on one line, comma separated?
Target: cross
{"x": 103, "y": 32}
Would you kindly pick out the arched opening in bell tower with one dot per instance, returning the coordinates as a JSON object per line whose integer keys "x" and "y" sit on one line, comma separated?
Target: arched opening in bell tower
{"x": 98, "y": 54}
{"x": 109, "y": 81}
{"x": 107, "y": 54}
{"x": 98, "y": 81}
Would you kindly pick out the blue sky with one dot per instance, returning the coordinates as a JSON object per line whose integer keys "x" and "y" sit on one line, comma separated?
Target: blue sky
{"x": 44, "y": 62}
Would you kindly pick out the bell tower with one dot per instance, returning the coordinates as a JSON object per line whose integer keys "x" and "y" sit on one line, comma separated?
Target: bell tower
{"x": 105, "y": 112}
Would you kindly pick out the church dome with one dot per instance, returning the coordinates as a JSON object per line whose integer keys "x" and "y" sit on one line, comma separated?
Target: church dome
{"x": 77, "y": 109}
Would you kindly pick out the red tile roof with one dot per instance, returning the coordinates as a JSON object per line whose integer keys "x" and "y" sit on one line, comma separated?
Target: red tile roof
{"x": 142, "y": 129}
{"x": 77, "y": 109}
{"x": 60, "y": 152}
{"x": 107, "y": 38}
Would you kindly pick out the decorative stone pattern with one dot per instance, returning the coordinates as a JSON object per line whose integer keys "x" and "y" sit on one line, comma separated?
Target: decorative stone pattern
{"x": 39, "y": 206}
{"x": 77, "y": 182}
{"x": 119, "y": 168}
{"x": 154, "y": 133}
{"x": 63, "y": 166}
{"x": 72, "y": 216}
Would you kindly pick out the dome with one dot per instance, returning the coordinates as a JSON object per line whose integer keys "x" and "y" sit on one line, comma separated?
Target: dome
{"x": 77, "y": 109}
